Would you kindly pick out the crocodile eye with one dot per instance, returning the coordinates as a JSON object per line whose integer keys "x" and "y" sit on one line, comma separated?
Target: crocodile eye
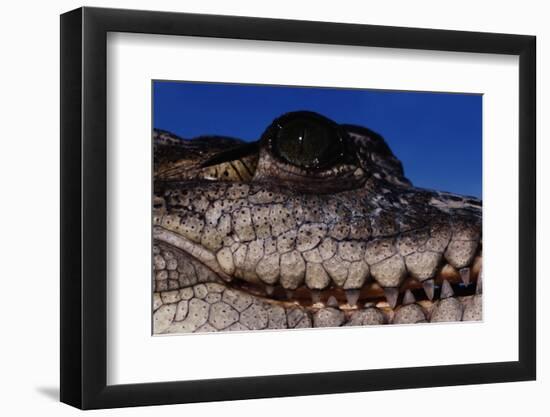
{"x": 306, "y": 140}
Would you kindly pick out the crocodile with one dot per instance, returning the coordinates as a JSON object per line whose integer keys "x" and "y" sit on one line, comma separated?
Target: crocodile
{"x": 312, "y": 225}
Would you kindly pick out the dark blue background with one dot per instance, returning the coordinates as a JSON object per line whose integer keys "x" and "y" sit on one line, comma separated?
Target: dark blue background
{"x": 437, "y": 136}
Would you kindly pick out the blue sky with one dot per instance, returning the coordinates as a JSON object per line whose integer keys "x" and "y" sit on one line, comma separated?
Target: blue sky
{"x": 437, "y": 136}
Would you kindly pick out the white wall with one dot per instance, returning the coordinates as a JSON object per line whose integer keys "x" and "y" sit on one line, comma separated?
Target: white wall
{"x": 29, "y": 224}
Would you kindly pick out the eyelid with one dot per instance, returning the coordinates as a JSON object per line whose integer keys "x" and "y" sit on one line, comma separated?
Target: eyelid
{"x": 238, "y": 152}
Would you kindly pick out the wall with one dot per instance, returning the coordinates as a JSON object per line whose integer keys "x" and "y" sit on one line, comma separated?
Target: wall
{"x": 29, "y": 216}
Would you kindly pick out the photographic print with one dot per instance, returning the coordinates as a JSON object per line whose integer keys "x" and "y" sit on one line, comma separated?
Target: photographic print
{"x": 288, "y": 207}
{"x": 244, "y": 179}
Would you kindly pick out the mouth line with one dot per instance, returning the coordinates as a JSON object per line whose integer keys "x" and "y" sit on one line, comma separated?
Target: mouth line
{"x": 447, "y": 280}
{"x": 370, "y": 295}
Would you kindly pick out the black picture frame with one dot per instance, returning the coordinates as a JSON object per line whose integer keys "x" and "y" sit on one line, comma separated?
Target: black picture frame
{"x": 84, "y": 207}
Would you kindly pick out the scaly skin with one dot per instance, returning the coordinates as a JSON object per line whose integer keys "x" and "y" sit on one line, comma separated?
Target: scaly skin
{"x": 245, "y": 240}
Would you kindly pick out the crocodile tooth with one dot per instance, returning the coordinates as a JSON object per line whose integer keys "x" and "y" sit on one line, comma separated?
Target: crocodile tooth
{"x": 391, "y": 296}
{"x": 446, "y": 290}
{"x": 269, "y": 289}
{"x": 352, "y": 296}
{"x": 479, "y": 285}
{"x": 429, "y": 288}
{"x": 465, "y": 275}
{"x": 332, "y": 301}
{"x": 315, "y": 296}
{"x": 408, "y": 298}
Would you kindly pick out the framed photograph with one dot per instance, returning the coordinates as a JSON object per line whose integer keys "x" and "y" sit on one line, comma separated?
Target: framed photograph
{"x": 259, "y": 208}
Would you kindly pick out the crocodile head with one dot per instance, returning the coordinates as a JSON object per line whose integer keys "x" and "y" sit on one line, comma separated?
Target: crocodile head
{"x": 313, "y": 225}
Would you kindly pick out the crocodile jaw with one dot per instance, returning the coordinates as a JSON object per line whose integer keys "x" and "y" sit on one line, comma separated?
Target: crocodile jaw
{"x": 371, "y": 288}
